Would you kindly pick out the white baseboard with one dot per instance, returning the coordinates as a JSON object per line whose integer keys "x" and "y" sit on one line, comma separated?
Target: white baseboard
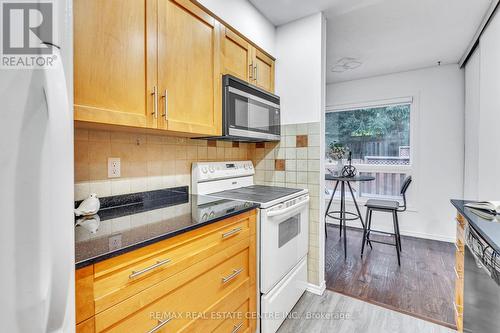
{"x": 315, "y": 289}
{"x": 417, "y": 234}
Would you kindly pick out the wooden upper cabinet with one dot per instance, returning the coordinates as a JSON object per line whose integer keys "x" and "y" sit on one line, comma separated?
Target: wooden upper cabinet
{"x": 124, "y": 51}
{"x": 115, "y": 61}
{"x": 264, "y": 71}
{"x": 188, "y": 68}
{"x": 237, "y": 55}
{"x": 243, "y": 60}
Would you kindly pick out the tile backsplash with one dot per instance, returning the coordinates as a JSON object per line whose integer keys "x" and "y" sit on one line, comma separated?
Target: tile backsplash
{"x": 152, "y": 162}
{"x": 148, "y": 162}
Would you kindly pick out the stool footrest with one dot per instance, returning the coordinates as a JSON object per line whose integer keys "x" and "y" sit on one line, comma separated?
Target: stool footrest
{"x": 382, "y": 233}
{"x": 380, "y": 242}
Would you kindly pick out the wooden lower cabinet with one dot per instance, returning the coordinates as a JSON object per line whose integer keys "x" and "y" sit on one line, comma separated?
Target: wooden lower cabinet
{"x": 212, "y": 288}
{"x": 458, "y": 302}
{"x": 87, "y": 326}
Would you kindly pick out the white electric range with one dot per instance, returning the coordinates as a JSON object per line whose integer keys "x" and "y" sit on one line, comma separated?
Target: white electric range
{"x": 282, "y": 233}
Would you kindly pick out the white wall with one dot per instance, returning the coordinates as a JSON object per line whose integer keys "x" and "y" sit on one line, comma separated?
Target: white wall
{"x": 244, "y": 17}
{"x": 439, "y": 157}
{"x": 472, "y": 104}
{"x": 299, "y": 69}
{"x": 488, "y": 132}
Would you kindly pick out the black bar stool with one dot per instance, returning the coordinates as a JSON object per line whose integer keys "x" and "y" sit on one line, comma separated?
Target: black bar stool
{"x": 344, "y": 216}
{"x": 387, "y": 206}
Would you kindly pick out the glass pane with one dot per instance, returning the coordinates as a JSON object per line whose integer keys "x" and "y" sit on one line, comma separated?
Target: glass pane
{"x": 288, "y": 230}
{"x": 254, "y": 115}
{"x": 386, "y": 185}
{"x": 378, "y": 136}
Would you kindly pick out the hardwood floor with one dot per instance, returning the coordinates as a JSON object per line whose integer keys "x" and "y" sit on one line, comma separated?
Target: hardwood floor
{"x": 337, "y": 313}
{"x": 422, "y": 287}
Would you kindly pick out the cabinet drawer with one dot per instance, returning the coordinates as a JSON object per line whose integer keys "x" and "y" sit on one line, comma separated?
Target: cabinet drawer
{"x": 184, "y": 304}
{"x": 86, "y": 326}
{"x": 119, "y": 278}
{"x": 237, "y": 321}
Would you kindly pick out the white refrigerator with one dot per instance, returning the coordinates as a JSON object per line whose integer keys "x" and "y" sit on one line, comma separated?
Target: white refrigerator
{"x": 36, "y": 191}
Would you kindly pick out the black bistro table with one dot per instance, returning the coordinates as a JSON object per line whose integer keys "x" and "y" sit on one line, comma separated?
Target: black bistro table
{"x": 343, "y": 215}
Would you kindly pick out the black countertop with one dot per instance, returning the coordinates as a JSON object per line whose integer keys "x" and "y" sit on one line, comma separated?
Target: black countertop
{"x": 487, "y": 229}
{"x": 129, "y": 222}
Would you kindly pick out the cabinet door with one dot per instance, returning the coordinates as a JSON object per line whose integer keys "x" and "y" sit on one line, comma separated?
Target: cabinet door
{"x": 264, "y": 71}
{"x": 189, "y": 68}
{"x": 237, "y": 58}
{"x": 115, "y": 61}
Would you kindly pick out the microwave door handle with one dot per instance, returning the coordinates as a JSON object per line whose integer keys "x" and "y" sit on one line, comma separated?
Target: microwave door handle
{"x": 286, "y": 210}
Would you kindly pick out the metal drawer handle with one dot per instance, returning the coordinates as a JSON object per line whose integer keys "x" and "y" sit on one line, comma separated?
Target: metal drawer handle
{"x": 456, "y": 273}
{"x": 155, "y": 101}
{"x": 160, "y": 325}
{"x": 235, "y": 273}
{"x": 237, "y": 327}
{"x": 455, "y": 307}
{"x": 142, "y": 271}
{"x": 232, "y": 232}
{"x": 165, "y": 107}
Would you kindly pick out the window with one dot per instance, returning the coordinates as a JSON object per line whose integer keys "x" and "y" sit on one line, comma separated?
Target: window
{"x": 378, "y": 136}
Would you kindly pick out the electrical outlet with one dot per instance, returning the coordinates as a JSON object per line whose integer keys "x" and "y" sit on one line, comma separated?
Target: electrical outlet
{"x": 115, "y": 242}
{"x": 114, "y": 167}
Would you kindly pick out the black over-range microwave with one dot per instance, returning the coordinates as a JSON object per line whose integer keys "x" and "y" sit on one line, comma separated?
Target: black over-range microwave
{"x": 248, "y": 113}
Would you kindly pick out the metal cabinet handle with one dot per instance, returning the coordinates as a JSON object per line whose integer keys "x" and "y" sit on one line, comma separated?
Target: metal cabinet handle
{"x": 155, "y": 101}
{"x": 147, "y": 269}
{"x": 232, "y": 232}
{"x": 256, "y": 69}
{"x": 160, "y": 325}
{"x": 235, "y": 273}
{"x": 237, "y": 327}
{"x": 165, "y": 107}
{"x": 251, "y": 71}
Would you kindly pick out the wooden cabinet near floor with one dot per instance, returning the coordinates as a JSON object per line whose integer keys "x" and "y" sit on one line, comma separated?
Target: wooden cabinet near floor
{"x": 241, "y": 59}
{"x": 207, "y": 284}
{"x": 459, "y": 272}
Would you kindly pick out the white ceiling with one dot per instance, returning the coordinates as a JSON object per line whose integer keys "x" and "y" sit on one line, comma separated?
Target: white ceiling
{"x": 386, "y": 36}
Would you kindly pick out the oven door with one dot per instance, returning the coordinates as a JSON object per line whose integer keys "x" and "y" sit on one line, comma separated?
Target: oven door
{"x": 251, "y": 113}
{"x": 284, "y": 239}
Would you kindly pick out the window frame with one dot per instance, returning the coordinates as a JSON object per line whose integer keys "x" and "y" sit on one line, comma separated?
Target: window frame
{"x": 412, "y": 100}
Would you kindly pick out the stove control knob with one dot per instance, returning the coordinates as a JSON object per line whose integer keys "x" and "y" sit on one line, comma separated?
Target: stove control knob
{"x": 204, "y": 217}
{"x": 212, "y": 214}
{"x": 245, "y": 166}
{"x": 204, "y": 169}
{"x": 211, "y": 169}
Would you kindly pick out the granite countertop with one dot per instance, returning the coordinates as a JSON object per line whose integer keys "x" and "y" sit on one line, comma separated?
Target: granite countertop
{"x": 487, "y": 229}
{"x": 129, "y": 222}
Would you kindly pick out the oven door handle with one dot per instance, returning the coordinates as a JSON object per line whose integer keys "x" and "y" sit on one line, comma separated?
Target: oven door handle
{"x": 288, "y": 209}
